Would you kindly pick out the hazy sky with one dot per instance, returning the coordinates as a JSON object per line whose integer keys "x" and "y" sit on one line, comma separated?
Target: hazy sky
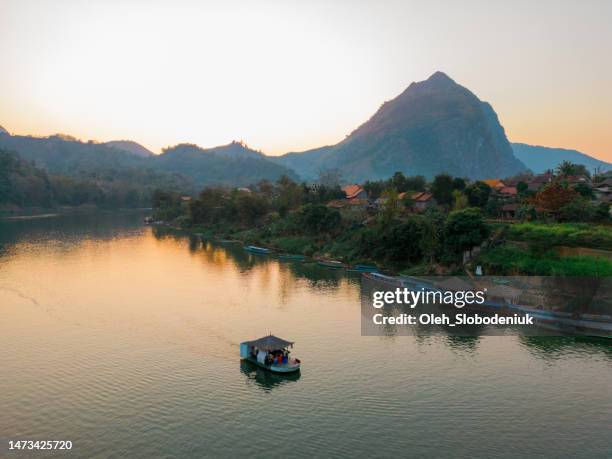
{"x": 288, "y": 76}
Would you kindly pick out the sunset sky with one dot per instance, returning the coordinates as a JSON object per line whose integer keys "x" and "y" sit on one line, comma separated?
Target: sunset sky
{"x": 293, "y": 75}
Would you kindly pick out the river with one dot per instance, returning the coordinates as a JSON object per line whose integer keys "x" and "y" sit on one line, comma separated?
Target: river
{"x": 124, "y": 340}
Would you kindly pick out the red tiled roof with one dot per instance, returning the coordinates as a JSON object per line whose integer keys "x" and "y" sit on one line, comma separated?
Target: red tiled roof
{"x": 423, "y": 196}
{"x": 352, "y": 191}
{"x": 494, "y": 183}
{"x": 508, "y": 190}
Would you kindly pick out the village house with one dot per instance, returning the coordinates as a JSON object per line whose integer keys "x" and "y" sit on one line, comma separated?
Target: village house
{"x": 508, "y": 192}
{"x": 421, "y": 201}
{"x": 576, "y": 179}
{"x": 356, "y": 198}
{"x": 355, "y": 192}
{"x": 540, "y": 180}
{"x": 502, "y": 189}
{"x": 495, "y": 184}
{"x": 508, "y": 211}
{"x": 603, "y": 190}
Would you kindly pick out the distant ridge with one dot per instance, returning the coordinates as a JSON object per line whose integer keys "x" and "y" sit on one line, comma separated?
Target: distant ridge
{"x": 232, "y": 164}
{"x": 540, "y": 159}
{"x": 3, "y": 131}
{"x": 131, "y": 147}
{"x": 184, "y": 166}
{"x": 433, "y": 126}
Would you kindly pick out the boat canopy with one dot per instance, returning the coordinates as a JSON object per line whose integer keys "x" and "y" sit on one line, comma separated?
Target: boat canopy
{"x": 270, "y": 343}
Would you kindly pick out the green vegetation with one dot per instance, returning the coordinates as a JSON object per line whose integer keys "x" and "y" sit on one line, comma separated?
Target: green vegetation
{"x": 295, "y": 218}
{"x": 562, "y": 234}
{"x": 508, "y": 260}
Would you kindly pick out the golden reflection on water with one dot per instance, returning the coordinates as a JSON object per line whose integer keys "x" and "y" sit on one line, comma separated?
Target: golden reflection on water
{"x": 163, "y": 288}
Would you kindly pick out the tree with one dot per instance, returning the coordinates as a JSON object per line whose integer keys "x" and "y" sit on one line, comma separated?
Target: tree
{"x": 290, "y": 195}
{"x": 317, "y": 218}
{"x": 442, "y": 189}
{"x": 567, "y": 168}
{"x": 374, "y": 189}
{"x": 433, "y": 221}
{"x": 464, "y": 229}
{"x": 403, "y": 241}
{"x": 390, "y": 208}
{"x": 458, "y": 184}
{"x": 329, "y": 177}
{"x": 211, "y": 206}
{"x": 521, "y": 187}
{"x": 460, "y": 200}
{"x": 478, "y": 194}
{"x": 398, "y": 181}
{"x": 602, "y": 213}
{"x": 493, "y": 206}
{"x": 251, "y": 207}
{"x": 584, "y": 190}
{"x": 553, "y": 197}
{"x": 578, "y": 210}
{"x": 415, "y": 183}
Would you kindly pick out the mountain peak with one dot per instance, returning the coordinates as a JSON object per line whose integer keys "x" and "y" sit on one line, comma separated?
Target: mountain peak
{"x": 440, "y": 77}
{"x": 434, "y": 126}
{"x": 3, "y": 131}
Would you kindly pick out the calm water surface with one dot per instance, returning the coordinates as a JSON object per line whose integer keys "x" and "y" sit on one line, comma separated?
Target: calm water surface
{"x": 124, "y": 340}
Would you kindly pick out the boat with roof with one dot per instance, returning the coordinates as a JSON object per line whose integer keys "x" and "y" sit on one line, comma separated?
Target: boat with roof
{"x": 271, "y": 353}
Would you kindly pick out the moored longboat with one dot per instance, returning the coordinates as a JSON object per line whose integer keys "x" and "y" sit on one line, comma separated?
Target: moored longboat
{"x": 257, "y": 250}
{"x": 333, "y": 264}
{"x": 291, "y": 257}
{"x": 271, "y": 353}
{"x": 360, "y": 268}
{"x": 383, "y": 278}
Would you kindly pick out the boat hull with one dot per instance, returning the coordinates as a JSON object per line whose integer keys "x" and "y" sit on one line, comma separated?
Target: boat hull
{"x": 288, "y": 368}
{"x": 292, "y": 257}
{"x": 332, "y": 265}
{"x": 257, "y": 250}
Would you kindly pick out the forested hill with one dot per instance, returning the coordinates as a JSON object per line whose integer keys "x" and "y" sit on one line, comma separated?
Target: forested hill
{"x": 233, "y": 164}
{"x": 23, "y": 185}
{"x": 184, "y": 167}
{"x": 65, "y": 155}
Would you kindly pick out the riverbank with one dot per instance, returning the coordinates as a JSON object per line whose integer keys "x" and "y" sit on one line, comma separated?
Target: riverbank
{"x": 398, "y": 238}
{"x": 503, "y": 259}
{"x": 29, "y": 213}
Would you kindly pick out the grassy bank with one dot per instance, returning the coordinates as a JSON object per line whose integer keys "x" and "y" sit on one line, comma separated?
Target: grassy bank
{"x": 509, "y": 260}
{"x": 562, "y": 234}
